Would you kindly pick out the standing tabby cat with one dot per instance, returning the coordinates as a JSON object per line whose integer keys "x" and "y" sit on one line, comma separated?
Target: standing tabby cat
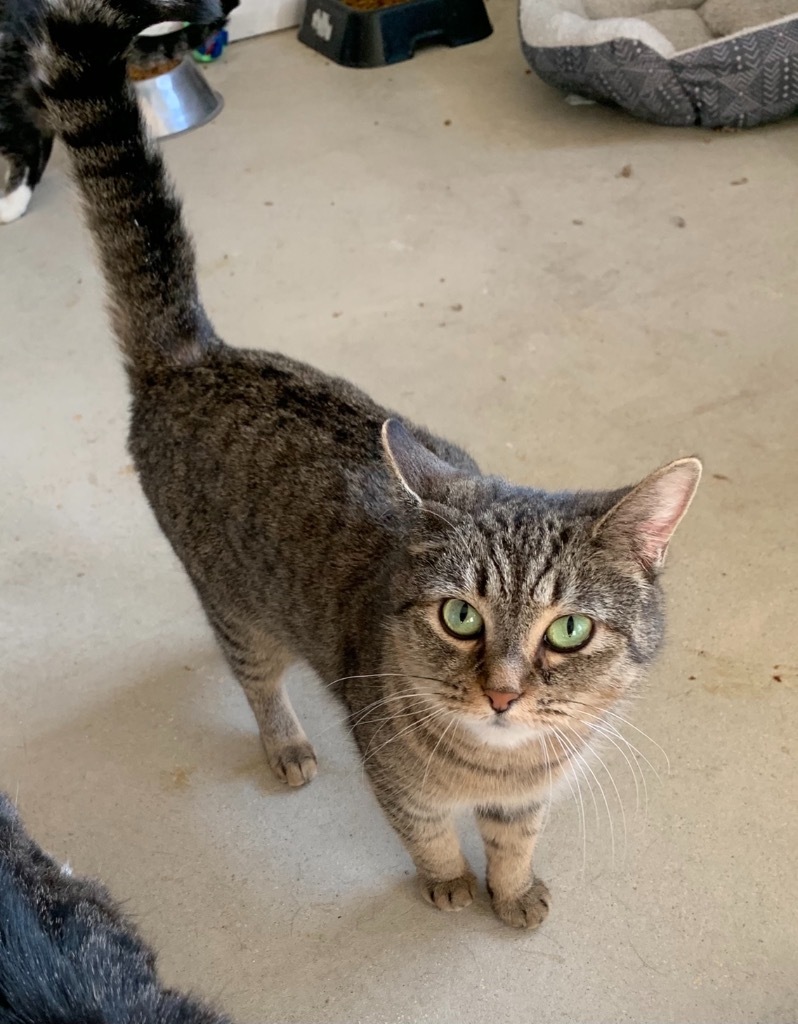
{"x": 476, "y": 632}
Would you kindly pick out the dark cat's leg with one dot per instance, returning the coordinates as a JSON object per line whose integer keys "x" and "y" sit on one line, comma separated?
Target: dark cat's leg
{"x": 45, "y": 150}
{"x": 430, "y": 837}
{"x": 259, "y": 662}
{"x": 26, "y": 150}
{"x": 519, "y": 899}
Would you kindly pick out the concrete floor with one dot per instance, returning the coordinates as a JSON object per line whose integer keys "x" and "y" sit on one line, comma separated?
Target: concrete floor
{"x": 456, "y": 239}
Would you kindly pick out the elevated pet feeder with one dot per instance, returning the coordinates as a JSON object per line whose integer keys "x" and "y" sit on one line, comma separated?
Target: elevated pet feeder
{"x": 173, "y": 93}
{"x": 372, "y": 33}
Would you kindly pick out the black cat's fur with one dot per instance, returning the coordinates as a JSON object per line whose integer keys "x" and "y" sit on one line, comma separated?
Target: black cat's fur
{"x": 25, "y": 139}
{"x": 67, "y": 953}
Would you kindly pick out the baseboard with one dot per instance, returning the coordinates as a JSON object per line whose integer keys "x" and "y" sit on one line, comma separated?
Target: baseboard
{"x": 254, "y": 17}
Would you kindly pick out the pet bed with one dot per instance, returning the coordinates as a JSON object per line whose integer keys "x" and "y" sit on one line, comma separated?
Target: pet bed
{"x": 714, "y": 63}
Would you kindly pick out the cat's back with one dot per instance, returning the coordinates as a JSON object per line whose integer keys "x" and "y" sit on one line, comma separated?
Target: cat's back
{"x": 262, "y": 419}
{"x": 269, "y": 479}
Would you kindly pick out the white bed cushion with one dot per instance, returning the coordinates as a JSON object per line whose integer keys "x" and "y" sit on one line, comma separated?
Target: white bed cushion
{"x": 633, "y": 8}
{"x": 725, "y": 17}
{"x": 683, "y": 29}
{"x": 559, "y": 23}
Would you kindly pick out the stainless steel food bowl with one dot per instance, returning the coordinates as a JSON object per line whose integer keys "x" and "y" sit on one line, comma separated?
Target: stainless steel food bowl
{"x": 177, "y": 100}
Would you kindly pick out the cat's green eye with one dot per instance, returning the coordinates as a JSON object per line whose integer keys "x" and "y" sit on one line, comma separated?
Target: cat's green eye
{"x": 569, "y": 632}
{"x": 461, "y": 619}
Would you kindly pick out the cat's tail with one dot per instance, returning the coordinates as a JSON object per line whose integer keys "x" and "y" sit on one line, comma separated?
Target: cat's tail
{"x": 145, "y": 250}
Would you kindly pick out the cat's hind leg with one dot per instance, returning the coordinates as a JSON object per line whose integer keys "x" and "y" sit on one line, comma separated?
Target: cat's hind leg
{"x": 259, "y": 663}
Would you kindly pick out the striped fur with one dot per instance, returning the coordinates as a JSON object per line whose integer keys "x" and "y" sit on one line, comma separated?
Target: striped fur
{"x": 318, "y": 528}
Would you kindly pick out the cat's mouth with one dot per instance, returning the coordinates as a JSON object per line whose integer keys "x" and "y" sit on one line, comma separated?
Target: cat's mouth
{"x": 502, "y": 730}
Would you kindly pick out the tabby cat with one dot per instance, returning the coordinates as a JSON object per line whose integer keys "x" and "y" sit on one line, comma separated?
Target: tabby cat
{"x": 68, "y": 955}
{"x": 478, "y": 633}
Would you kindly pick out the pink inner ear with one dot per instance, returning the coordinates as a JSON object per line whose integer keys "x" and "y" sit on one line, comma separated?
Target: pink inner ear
{"x": 662, "y": 507}
{"x": 644, "y": 521}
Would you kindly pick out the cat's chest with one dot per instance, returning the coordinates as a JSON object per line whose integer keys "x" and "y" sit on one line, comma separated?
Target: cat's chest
{"x": 515, "y": 785}
{"x": 462, "y": 773}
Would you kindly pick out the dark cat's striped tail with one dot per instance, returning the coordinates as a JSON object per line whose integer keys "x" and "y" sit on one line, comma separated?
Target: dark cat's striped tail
{"x": 134, "y": 215}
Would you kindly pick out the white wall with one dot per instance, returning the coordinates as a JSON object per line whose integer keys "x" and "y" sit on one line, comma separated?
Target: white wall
{"x": 253, "y": 17}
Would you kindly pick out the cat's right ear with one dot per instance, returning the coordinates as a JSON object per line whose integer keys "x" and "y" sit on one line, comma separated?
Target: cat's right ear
{"x": 421, "y": 473}
{"x": 643, "y": 522}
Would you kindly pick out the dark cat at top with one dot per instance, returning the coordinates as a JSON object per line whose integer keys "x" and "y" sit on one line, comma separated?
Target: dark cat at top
{"x": 479, "y": 634}
{"x": 67, "y": 953}
{"x": 25, "y": 137}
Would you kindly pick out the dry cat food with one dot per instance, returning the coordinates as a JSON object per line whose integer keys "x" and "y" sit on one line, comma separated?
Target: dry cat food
{"x": 141, "y": 72}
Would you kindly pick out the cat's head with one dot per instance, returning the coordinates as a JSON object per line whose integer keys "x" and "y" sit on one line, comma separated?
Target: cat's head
{"x": 515, "y": 607}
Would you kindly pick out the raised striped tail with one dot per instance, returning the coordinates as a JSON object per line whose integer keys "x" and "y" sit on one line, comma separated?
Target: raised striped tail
{"x": 145, "y": 250}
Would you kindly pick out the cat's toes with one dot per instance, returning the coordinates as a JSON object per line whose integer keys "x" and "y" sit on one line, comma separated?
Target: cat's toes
{"x": 293, "y": 763}
{"x": 450, "y": 893}
{"x": 526, "y": 911}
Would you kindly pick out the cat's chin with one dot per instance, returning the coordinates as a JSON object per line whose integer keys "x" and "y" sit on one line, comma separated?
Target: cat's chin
{"x": 501, "y": 733}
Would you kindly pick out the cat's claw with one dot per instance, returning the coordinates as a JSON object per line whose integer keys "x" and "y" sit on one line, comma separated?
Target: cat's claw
{"x": 529, "y": 910}
{"x": 295, "y": 763}
{"x": 451, "y": 893}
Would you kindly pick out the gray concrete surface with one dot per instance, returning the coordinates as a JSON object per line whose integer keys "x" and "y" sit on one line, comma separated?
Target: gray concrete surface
{"x": 343, "y": 219}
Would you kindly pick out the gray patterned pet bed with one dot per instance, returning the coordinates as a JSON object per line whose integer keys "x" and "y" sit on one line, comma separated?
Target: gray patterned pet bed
{"x": 713, "y": 63}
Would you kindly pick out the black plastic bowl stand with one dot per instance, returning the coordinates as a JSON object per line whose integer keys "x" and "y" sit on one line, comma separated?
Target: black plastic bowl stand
{"x": 371, "y": 39}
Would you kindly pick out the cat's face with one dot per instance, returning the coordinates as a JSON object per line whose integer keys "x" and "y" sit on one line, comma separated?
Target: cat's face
{"x": 519, "y": 619}
{"x": 523, "y": 613}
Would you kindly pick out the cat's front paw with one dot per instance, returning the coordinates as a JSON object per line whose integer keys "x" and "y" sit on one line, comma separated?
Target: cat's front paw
{"x": 449, "y": 893}
{"x": 293, "y": 763}
{"x": 529, "y": 910}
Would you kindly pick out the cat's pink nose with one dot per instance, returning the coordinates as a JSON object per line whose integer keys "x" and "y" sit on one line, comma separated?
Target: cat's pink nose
{"x": 500, "y": 700}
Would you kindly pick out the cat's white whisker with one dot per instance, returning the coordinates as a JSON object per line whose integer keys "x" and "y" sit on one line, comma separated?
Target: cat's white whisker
{"x": 599, "y": 729}
{"x": 432, "y": 755}
{"x": 610, "y": 776}
{"x": 384, "y": 675}
{"x": 576, "y": 793}
{"x": 413, "y": 725}
{"x": 550, "y": 777}
{"x": 579, "y": 760}
{"x": 461, "y": 537}
{"x": 637, "y": 729}
{"x": 636, "y": 750}
{"x": 363, "y": 713}
{"x": 633, "y": 767}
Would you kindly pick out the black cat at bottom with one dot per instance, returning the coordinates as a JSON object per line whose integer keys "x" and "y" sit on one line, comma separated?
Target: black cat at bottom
{"x": 67, "y": 953}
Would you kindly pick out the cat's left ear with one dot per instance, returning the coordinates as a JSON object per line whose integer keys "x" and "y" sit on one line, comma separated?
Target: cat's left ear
{"x": 423, "y": 475}
{"x": 644, "y": 520}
